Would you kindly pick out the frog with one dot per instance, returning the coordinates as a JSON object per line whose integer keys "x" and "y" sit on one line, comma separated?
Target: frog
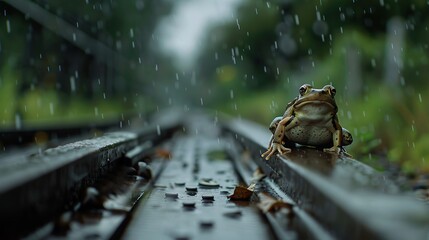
{"x": 310, "y": 120}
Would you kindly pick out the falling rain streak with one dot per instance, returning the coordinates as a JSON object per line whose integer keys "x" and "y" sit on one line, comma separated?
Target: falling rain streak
{"x": 72, "y": 84}
{"x": 8, "y": 26}
{"x": 128, "y": 56}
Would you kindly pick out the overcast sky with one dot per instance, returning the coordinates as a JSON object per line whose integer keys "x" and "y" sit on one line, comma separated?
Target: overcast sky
{"x": 182, "y": 33}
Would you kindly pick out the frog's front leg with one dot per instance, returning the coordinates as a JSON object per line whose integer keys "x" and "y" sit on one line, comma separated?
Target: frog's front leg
{"x": 274, "y": 124}
{"x": 337, "y": 136}
{"x": 276, "y": 144}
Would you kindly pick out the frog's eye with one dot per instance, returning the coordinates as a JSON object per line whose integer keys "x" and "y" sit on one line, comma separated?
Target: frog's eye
{"x": 302, "y": 89}
{"x": 330, "y": 89}
{"x": 333, "y": 91}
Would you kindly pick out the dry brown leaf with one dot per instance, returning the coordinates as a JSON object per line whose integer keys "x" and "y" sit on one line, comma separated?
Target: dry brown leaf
{"x": 252, "y": 187}
{"x": 258, "y": 175}
{"x": 270, "y": 204}
{"x": 163, "y": 153}
{"x": 241, "y": 193}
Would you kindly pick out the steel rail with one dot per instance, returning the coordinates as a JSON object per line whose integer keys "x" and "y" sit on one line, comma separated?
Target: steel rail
{"x": 348, "y": 199}
{"x": 306, "y": 226}
{"x": 36, "y": 188}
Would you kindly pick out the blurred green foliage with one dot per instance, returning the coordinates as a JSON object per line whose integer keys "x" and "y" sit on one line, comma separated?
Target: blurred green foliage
{"x": 47, "y": 79}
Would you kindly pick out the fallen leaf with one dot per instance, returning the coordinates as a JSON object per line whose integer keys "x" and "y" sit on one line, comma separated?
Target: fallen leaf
{"x": 241, "y": 193}
{"x": 258, "y": 175}
{"x": 270, "y": 204}
{"x": 252, "y": 187}
{"x": 163, "y": 153}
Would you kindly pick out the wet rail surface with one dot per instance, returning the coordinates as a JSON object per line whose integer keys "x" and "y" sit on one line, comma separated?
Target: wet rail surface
{"x": 172, "y": 181}
{"x": 189, "y": 201}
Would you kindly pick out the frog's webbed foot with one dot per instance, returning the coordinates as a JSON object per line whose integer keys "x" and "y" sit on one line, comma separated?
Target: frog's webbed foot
{"x": 275, "y": 147}
{"x": 333, "y": 149}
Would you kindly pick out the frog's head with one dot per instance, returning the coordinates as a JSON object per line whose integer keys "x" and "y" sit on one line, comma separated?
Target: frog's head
{"x": 314, "y": 96}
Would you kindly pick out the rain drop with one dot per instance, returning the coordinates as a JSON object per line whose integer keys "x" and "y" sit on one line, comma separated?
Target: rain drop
{"x": 51, "y": 108}
{"x": 296, "y": 19}
{"x": 318, "y": 16}
{"x": 118, "y": 45}
{"x": 8, "y": 26}
{"x": 238, "y": 24}
{"x": 18, "y": 122}
{"x": 158, "y": 130}
{"x": 387, "y": 118}
{"x": 72, "y": 84}
{"x": 420, "y": 97}
{"x": 231, "y": 94}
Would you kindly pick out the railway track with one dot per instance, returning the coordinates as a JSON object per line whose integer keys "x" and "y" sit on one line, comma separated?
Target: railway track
{"x": 174, "y": 179}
